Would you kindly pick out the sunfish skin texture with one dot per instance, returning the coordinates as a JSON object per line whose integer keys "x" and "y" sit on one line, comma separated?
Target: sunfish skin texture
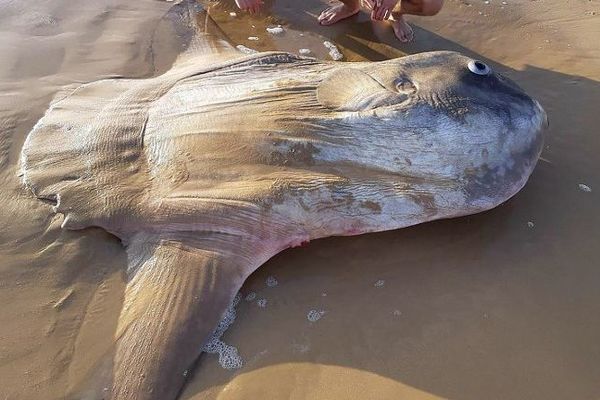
{"x": 210, "y": 169}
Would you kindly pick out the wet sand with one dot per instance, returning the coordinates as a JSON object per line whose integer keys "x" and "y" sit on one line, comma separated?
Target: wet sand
{"x": 502, "y": 305}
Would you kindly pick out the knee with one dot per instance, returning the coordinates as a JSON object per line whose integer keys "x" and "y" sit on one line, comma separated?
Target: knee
{"x": 432, "y": 7}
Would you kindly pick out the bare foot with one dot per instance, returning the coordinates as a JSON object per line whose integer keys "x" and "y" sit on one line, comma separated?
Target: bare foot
{"x": 402, "y": 30}
{"x": 338, "y": 12}
{"x": 252, "y": 6}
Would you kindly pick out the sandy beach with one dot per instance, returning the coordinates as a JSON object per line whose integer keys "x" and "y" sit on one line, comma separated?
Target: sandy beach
{"x": 500, "y": 305}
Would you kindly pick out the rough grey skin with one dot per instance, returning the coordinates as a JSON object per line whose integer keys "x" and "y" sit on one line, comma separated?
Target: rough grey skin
{"x": 210, "y": 169}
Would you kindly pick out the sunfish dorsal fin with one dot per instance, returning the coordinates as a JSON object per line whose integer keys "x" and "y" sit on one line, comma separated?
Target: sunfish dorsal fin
{"x": 351, "y": 89}
{"x": 189, "y": 27}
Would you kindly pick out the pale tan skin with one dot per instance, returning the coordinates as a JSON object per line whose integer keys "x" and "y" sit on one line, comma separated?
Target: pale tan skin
{"x": 392, "y": 11}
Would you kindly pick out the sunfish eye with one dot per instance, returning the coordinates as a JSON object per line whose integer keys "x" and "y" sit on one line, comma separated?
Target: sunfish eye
{"x": 403, "y": 85}
{"x": 479, "y": 68}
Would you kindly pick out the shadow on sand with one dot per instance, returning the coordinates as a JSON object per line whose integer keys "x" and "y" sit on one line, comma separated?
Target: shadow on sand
{"x": 498, "y": 305}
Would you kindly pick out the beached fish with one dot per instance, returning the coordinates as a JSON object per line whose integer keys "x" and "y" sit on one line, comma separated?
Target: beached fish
{"x": 210, "y": 169}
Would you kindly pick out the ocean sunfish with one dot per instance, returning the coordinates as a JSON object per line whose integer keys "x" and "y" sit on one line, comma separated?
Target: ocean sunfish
{"x": 210, "y": 169}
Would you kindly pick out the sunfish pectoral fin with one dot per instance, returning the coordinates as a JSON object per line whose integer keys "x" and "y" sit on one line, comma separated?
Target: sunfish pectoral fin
{"x": 175, "y": 297}
{"x": 351, "y": 89}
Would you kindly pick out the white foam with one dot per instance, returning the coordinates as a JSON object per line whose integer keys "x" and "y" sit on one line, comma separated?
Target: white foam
{"x": 334, "y": 52}
{"x": 585, "y": 188}
{"x": 228, "y": 355}
{"x": 271, "y": 281}
{"x": 304, "y": 52}
{"x": 244, "y": 49}
{"x": 315, "y": 315}
{"x": 379, "y": 283}
{"x": 301, "y": 348}
{"x": 276, "y": 30}
{"x": 250, "y": 296}
{"x": 262, "y": 303}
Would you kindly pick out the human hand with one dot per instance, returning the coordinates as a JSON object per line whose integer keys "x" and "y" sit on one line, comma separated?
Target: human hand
{"x": 252, "y": 6}
{"x": 368, "y": 4}
{"x": 382, "y": 9}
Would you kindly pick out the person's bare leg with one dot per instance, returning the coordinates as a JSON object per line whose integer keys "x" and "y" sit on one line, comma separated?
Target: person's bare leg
{"x": 402, "y": 30}
{"x": 252, "y": 6}
{"x": 337, "y": 12}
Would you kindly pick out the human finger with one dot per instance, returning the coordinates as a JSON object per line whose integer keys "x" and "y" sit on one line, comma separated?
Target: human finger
{"x": 380, "y": 13}
{"x": 368, "y": 4}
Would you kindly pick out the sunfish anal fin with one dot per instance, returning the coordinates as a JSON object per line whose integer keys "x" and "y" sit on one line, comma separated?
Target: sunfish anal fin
{"x": 175, "y": 297}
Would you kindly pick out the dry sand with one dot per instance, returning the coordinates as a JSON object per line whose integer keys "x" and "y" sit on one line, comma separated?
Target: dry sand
{"x": 503, "y": 305}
